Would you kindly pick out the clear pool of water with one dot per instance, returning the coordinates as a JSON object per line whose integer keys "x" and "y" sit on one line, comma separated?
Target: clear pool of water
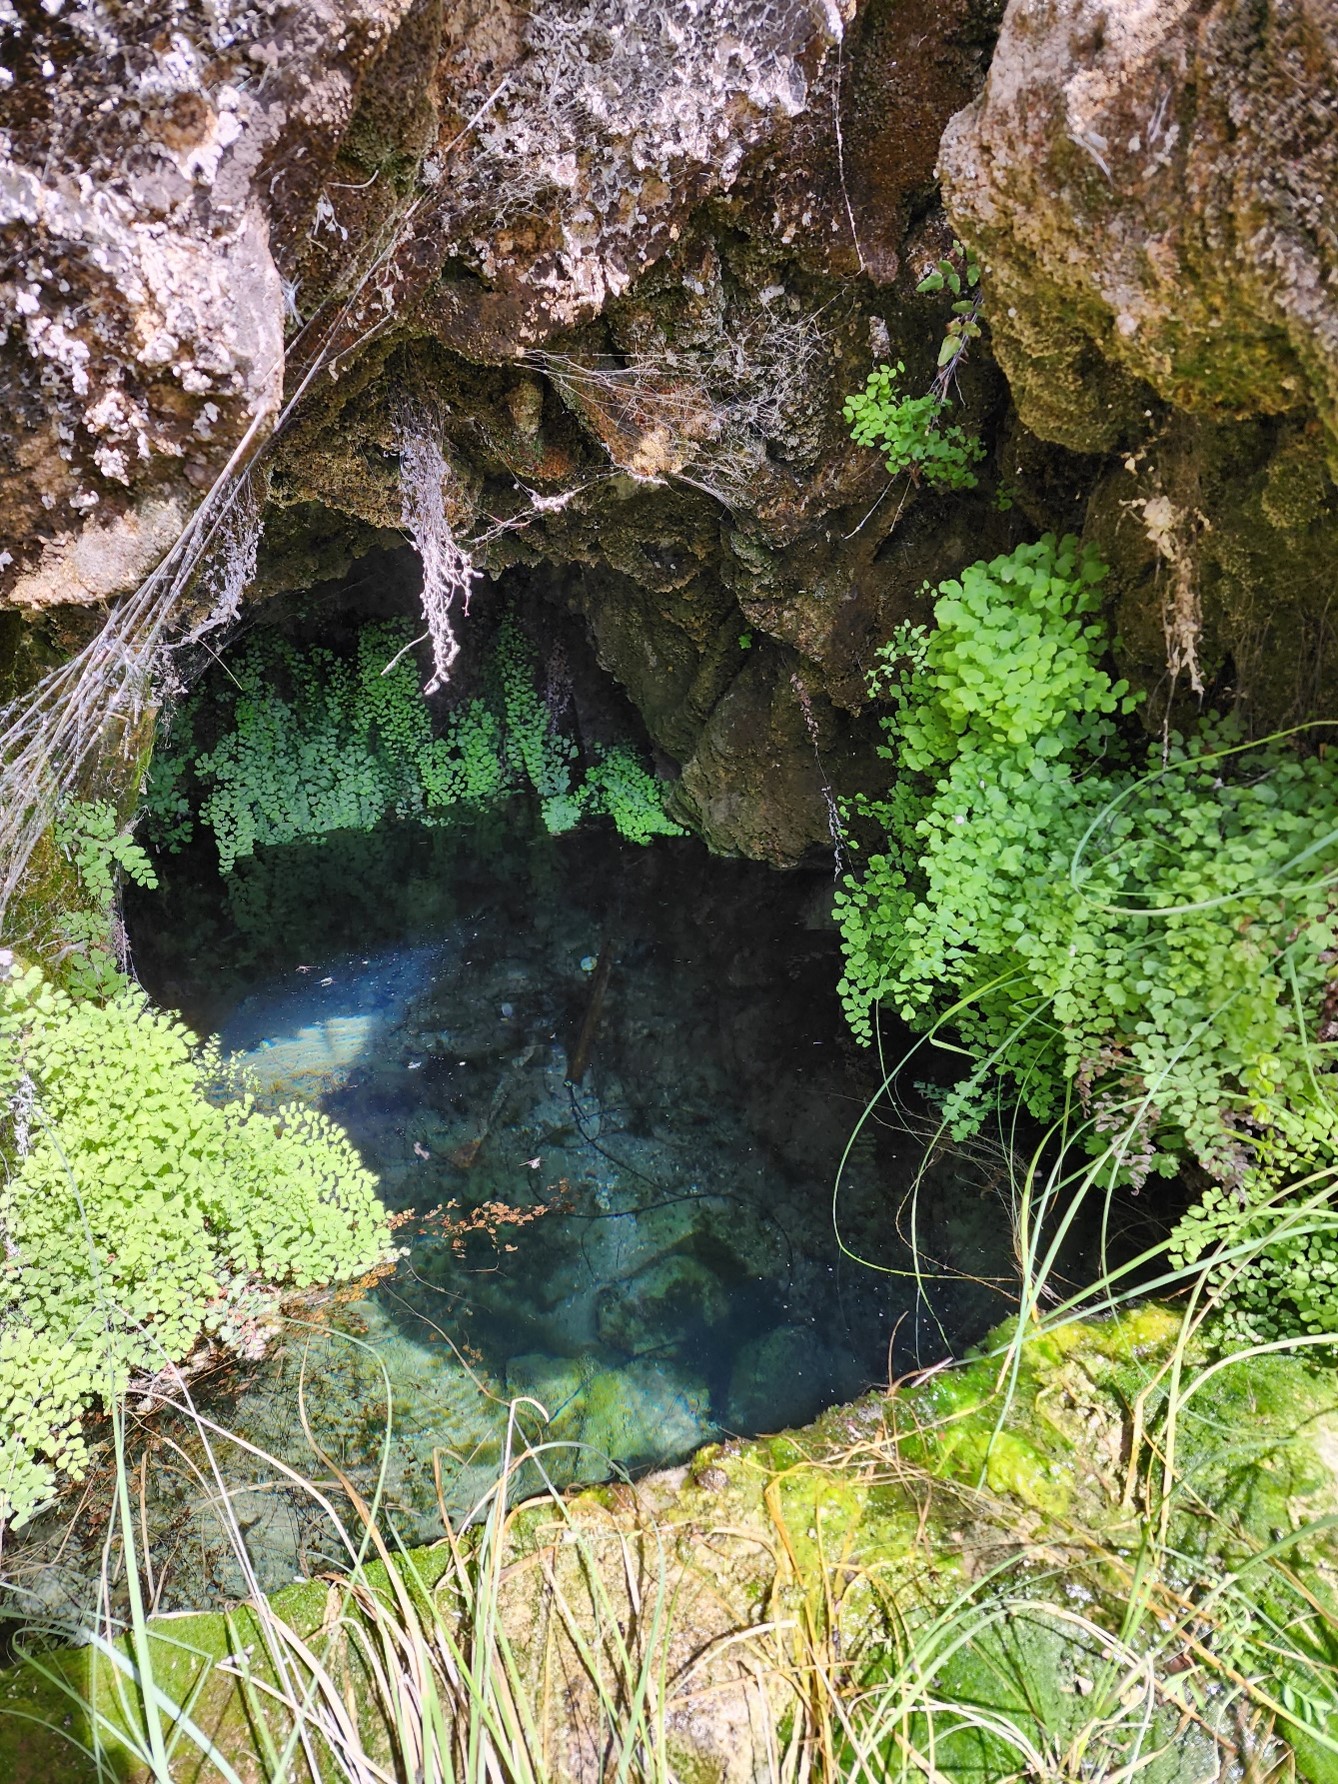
{"x": 650, "y": 1255}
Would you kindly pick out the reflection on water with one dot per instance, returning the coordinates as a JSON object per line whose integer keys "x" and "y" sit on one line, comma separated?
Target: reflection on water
{"x": 306, "y": 1038}
{"x": 649, "y": 1254}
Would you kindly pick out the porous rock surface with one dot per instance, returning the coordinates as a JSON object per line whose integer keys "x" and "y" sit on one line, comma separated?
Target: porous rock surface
{"x": 1152, "y": 186}
{"x": 153, "y": 161}
{"x": 623, "y": 263}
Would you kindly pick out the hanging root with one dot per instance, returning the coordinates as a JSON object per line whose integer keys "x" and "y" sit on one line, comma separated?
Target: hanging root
{"x": 1171, "y": 532}
{"x": 90, "y": 709}
{"x": 448, "y": 571}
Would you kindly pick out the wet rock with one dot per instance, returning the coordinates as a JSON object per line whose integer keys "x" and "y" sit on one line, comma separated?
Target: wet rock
{"x": 792, "y": 1366}
{"x": 705, "y": 1573}
{"x": 670, "y": 1300}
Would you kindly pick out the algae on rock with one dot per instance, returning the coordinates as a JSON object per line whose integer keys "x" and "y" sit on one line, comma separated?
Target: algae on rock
{"x": 970, "y": 1565}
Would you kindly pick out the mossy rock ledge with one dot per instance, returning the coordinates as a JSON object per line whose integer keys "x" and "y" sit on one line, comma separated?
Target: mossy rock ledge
{"x": 1027, "y": 1485}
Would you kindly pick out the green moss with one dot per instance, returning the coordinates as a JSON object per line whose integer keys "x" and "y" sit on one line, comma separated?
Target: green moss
{"x": 986, "y": 1486}
{"x": 52, "y": 891}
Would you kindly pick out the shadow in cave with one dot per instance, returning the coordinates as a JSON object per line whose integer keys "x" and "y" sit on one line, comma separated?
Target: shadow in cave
{"x": 641, "y": 1239}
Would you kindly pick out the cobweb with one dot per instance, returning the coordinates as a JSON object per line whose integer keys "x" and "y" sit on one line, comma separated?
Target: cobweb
{"x": 58, "y": 738}
{"x": 227, "y": 568}
{"x": 93, "y": 709}
{"x": 448, "y": 571}
{"x": 627, "y": 85}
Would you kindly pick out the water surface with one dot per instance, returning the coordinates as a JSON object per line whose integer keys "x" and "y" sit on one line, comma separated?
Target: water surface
{"x": 649, "y": 1254}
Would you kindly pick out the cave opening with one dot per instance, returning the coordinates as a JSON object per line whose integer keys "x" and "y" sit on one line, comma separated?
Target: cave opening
{"x": 606, "y": 1087}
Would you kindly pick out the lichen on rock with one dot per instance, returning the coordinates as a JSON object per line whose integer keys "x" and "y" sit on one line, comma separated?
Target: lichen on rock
{"x": 1160, "y": 283}
{"x": 608, "y": 252}
{"x": 1120, "y": 177}
{"x": 148, "y": 186}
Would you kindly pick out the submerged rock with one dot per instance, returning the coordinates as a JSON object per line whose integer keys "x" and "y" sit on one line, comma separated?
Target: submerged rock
{"x": 668, "y": 1302}
{"x": 793, "y": 1365}
{"x": 634, "y": 1415}
{"x": 307, "y": 1038}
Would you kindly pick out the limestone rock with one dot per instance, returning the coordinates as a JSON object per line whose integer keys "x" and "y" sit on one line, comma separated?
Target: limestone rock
{"x": 1148, "y": 184}
{"x": 152, "y": 178}
{"x": 104, "y": 559}
{"x": 1221, "y": 537}
{"x": 606, "y": 250}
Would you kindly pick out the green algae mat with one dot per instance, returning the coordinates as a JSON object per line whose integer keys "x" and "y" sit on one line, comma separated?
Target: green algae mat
{"x": 1100, "y": 1554}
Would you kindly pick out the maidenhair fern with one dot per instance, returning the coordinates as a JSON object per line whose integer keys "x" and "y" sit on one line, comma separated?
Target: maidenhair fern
{"x": 535, "y": 749}
{"x": 143, "y": 1210}
{"x": 1147, "y": 939}
{"x": 318, "y": 743}
{"x": 99, "y": 848}
{"x": 618, "y": 786}
{"x": 911, "y": 433}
